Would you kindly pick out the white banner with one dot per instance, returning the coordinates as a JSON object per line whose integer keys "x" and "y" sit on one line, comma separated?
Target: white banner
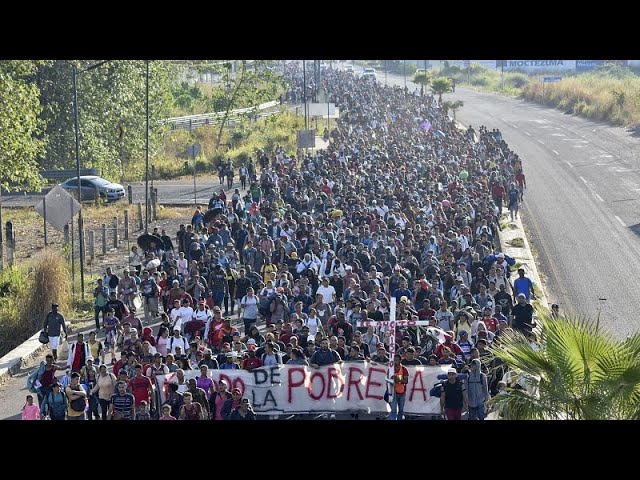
{"x": 349, "y": 387}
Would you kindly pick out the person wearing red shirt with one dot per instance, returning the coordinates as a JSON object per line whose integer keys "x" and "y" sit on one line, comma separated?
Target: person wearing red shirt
{"x": 251, "y": 361}
{"x": 454, "y": 347}
{"x": 426, "y": 312}
{"x": 498, "y": 193}
{"x": 141, "y": 387}
{"x": 490, "y": 322}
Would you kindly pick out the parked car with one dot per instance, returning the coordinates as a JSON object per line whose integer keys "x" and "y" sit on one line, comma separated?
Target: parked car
{"x": 348, "y": 68}
{"x": 90, "y": 183}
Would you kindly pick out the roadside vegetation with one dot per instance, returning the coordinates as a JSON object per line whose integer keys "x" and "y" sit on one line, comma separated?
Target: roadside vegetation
{"x": 27, "y": 291}
{"x": 575, "y": 371}
{"x": 610, "y": 93}
{"x": 38, "y": 96}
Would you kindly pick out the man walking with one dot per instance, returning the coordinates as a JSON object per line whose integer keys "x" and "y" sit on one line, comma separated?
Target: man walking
{"x": 53, "y": 322}
{"x": 453, "y": 399}
{"x": 477, "y": 391}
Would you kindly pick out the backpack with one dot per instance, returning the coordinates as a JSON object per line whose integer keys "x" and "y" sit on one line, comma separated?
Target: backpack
{"x": 78, "y": 404}
{"x": 34, "y": 376}
{"x": 55, "y": 407}
{"x": 436, "y": 390}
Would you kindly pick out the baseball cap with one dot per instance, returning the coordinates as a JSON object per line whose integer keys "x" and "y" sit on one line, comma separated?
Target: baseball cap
{"x": 251, "y": 341}
{"x": 245, "y": 400}
{"x": 90, "y": 358}
{"x": 452, "y": 370}
{"x": 463, "y": 333}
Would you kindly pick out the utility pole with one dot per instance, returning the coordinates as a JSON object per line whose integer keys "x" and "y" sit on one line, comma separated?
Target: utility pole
{"x": 146, "y": 171}
{"x": 304, "y": 92}
{"x": 80, "y": 223}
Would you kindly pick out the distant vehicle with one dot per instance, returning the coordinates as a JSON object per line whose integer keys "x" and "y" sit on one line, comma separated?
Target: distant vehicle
{"x": 420, "y": 71}
{"x": 88, "y": 184}
{"x": 348, "y": 68}
{"x": 369, "y": 72}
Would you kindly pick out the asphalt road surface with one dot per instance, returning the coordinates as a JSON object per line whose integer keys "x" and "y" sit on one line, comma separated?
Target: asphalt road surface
{"x": 581, "y": 207}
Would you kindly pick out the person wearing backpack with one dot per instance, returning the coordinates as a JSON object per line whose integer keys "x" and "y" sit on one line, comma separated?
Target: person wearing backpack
{"x": 55, "y": 404}
{"x": 477, "y": 391}
{"x": 453, "y": 399}
{"x": 77, "y": 398}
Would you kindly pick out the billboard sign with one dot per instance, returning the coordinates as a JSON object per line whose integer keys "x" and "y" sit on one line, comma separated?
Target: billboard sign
{"x": 538, "y": 66}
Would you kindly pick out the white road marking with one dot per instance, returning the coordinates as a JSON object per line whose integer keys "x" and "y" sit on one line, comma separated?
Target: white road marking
{"x": 556, "y": 152}
{"x": 599, "y": 197}
{"x": 558, "y": 135}
{"x": 527, "y": 133}
{"x": 569, "y": 163}
{"x": 583, "y": 180}
{"x": 620, "y": 221}
{"x": 514, "y": 126}
{"x": 606, "y": 155}
{"x": 540, "y": 141}
{"x": 578, "y": 146}
{"x": 571, "y": 140}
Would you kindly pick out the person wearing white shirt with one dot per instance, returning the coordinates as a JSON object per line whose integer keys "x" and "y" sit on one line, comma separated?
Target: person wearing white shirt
{"x": 327, "y": 291}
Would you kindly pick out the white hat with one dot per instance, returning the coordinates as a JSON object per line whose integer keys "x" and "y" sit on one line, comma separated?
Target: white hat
{"x": 251, "y": 341}
{"x": 452, "y": 370}
{"x": 90, "y": 358}
{"x": 500, "y": 255}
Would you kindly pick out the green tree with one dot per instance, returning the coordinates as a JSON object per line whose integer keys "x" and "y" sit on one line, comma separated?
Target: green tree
{"x": 20, "y": 126}
{"x": 253, "y": 84}
{"x": 111, "y": 104}
{"x": 424, "y": 79}
{"x": 439, "y": 86}
{"x": 579, "y": 372}
{"x": 453, "y": 106}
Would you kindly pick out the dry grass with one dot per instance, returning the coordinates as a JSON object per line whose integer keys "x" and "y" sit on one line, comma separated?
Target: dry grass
{"x": 594, "y": 96}
{"x": 26, "y": 294}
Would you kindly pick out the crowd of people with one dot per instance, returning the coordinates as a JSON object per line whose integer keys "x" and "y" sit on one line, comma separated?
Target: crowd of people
{"x": 402, "y": 204}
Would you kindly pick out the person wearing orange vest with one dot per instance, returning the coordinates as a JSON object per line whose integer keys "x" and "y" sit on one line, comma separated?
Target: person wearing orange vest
{"x": 400, "y": 379}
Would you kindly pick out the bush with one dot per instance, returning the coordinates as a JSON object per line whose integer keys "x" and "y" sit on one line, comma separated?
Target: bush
{"x": 26, "y": 294}
{"x": 516, "y": 80}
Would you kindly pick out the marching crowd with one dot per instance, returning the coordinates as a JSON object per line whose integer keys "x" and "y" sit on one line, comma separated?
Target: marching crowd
{"x": 402, "y": 204}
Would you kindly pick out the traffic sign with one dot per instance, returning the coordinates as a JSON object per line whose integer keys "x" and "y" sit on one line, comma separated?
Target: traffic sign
{"x": 551, "y": 79}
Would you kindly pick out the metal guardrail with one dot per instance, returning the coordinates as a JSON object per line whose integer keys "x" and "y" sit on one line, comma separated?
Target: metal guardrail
{"x": 193, "y": 121}
{"x": 64, "y": 174}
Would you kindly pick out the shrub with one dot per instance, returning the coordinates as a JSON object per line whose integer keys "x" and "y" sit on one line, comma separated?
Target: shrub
{"x": 26, "y": 294}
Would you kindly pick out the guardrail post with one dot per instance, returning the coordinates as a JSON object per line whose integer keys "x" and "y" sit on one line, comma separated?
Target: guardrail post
{"x": 115, "y": 232}
{"x": 104, "y": 239}
{"x": 126, "y": 224}
{"x": 130, "y": 194}
{"x": 154, "y": 203}
{"x": 92, "y": 243}
{"x": 140, "y": 218}
{"x": 11, "y": 242}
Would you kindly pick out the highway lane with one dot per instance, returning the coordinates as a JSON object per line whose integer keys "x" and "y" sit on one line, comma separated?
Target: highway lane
{"x": 581, "y": 207}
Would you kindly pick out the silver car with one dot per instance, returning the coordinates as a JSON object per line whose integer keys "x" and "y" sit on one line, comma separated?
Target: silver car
{"x": 90, "y": 184}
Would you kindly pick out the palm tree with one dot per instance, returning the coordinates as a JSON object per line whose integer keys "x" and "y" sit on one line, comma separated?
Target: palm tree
{"x": 439, "y": 86}
{"x": 579, "y": 372}
{"x": 422, "y": 78}
{"x": 453, "y": 106}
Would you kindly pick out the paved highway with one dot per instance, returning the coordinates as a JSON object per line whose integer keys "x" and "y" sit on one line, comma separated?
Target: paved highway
{"x": 582, "y": 204}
